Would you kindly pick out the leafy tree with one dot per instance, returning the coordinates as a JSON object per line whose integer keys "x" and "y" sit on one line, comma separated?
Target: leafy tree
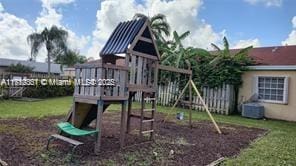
{"x": 69, "y": 58}
{"x": 20, "y": 68}
{"x": 53, "y": 38}
{"x": 226, "y": 66}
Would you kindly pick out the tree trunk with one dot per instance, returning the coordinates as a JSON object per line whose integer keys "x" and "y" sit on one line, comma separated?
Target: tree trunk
{"x": 48, "y": 63}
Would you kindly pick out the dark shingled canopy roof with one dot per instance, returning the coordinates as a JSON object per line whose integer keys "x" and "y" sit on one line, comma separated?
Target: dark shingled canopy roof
{"x": 122, "y": 36}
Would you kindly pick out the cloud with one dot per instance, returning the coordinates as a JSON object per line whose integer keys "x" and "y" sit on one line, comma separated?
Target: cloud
{"x": 291, "y": 39}
{"x": 181, "y": 16}
{"x": 13, "y": 36}
{"x": 1, "y": 7}
{"x": 294, "y": 21}
{"x": 267, "y": 3}
{"x": 247, "y": 43}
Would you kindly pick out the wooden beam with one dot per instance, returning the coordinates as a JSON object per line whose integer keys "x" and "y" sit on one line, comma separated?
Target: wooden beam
{"x": 206, "y": 107}
{"x": 133, "y": 44}
{"x": 145, "y": 39}
{"x": 148, "y": 56}
{"x": 93, "y": 65}
{"x": 111, "y": 66}
{"x": 174, "y": 69}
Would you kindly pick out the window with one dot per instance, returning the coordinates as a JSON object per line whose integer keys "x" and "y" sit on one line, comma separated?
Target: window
{"x": 272, "y": 89}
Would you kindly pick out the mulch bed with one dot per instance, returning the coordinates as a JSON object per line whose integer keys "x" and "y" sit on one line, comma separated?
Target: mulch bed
{"x": 22, "y": 142}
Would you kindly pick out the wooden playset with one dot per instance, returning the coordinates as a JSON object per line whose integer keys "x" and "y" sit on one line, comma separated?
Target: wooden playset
{"x": 130, "y": 62}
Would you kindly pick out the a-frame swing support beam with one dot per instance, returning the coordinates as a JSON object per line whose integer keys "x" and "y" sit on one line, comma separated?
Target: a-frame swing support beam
{"x": 191, "y": 83}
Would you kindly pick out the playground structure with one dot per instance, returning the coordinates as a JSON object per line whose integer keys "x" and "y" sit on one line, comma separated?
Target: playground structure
{"x": 131, "y": 59}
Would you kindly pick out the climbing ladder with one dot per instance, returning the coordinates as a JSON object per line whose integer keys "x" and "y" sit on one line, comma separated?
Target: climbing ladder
{"x": 146, "y": 114}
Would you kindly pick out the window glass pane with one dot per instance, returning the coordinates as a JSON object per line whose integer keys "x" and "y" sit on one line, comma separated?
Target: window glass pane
{"x": 267, "y": 91}
{"x": 273, "y": 85}
{"x": 273, "y": 97}
{"x": 281, "y": 80}
{"x": 274, "y": 80}
{"x": 266, "y": 97}
{"x": 273, "y": 92}
{"x": 279, "y": 98}
{"x": 280, "y": 92}
{"x": 281, "y": 86}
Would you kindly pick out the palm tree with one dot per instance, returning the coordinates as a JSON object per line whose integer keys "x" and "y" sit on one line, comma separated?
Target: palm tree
{"x": 159, "y": 25}
{"x": 53, "y": 38}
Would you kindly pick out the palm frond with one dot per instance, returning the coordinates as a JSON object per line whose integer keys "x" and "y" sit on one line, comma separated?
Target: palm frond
{"x": 139, "y": 15}
{"x": 215, "y": 47}
{"x": 184, "y": 35}
{"x": 35, "y": 40}
{"x": 158, "y": 16}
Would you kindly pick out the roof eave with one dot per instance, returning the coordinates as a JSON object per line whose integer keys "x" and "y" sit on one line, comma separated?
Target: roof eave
{"x": 273, "y": 68}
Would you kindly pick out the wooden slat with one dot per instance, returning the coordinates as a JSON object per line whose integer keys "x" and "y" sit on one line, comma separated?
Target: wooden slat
{"x": 174, "y": 69}
{"x": 99, "y": 76}
{"x": 144, "y": 72}
{"x": 87, "y": 87}
{"x": 82, "y": 87}
{"x": 133, "y": 69}
{"x": 66, "y": 139}
{"x": 148, "y": 131}
{"x": 77, "y": 77}
{"x": 122, "y": 83}
{"x": 116, "y": 87}
{"x": 139, "y": 70}
{"x": 92, "y": 77}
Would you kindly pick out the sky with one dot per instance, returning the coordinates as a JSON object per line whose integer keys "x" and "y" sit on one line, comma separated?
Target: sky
{"x": 89, "y": 23}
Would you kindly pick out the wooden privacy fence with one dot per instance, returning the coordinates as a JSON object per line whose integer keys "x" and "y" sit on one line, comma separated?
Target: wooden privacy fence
{"x": 219, "y": 100}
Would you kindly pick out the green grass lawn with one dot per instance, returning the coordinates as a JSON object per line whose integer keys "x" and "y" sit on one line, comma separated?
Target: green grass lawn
{"x": 278, "y": 147}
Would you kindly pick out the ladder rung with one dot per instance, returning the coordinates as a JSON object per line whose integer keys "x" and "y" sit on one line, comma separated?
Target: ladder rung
{"x": 149, "y": 98}
{"x": 148, "y": 120}
{"x": 139, "y": 116}
{"x": 149, "y": 109}
{"x": 148, "y": 131}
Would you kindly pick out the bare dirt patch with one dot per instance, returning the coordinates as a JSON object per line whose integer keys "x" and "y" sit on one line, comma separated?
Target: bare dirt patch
{"x": 23, "y": 141}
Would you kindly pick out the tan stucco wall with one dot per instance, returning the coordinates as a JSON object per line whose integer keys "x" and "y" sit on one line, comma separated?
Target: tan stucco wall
{"x": 274, "y": 111}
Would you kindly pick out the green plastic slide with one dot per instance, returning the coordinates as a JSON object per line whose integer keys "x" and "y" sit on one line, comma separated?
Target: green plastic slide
{"x": 71, "y": 130}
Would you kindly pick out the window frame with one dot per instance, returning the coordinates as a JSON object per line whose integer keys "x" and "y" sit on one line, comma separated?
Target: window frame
{"x": 285, "y": 89}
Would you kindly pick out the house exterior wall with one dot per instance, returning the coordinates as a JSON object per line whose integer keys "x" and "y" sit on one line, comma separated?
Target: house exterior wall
{"x": 272, "y": 110}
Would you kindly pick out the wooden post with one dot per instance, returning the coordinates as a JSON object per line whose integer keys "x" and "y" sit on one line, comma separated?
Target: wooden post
{"x": 99, "y": 125}
{"x": 142, "y": 113}
{"x": 73, "y": 120}
{"x": 206, "y": 107}
{"x": 122, "y": 123}
{"x": 129, "y": 108}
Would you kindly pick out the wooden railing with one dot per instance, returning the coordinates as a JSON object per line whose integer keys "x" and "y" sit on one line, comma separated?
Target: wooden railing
{"x": 142, "y": 73}
{"x": 101, "y": 81}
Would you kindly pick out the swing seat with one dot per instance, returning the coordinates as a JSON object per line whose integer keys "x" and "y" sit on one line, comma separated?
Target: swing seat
{"x": 68, "y": 128}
